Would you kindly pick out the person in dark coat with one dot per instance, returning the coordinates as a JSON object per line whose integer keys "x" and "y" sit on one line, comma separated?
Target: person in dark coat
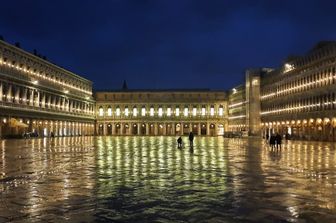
{"x": 272, "y": 141}
{"x": 267, "y": 137}
{"x": 191, "y": 139}
{"x": 278, "y": 139}
{"x": 179, "y": 142}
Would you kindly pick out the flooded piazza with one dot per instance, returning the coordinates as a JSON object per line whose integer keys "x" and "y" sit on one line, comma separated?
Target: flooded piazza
{"x": 147, "y": 179}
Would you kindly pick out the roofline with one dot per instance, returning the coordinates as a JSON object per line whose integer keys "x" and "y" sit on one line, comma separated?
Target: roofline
{"x": 156, "y": 90}
{"x": 45, "y": 61}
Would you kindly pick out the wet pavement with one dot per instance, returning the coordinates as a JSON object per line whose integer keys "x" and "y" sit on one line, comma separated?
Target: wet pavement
{"x": 147, "y": 179}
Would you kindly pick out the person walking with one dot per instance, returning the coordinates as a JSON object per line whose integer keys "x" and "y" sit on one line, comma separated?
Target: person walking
{"x": 272, "y": 141}
{"x": 267, "y": 137}
{"x": 179, "y": 142}
{"x": 278, "y": 139}
{"x": 191, "y": 139}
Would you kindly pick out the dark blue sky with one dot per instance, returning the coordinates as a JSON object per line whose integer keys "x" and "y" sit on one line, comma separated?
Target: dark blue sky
{"x": 167, "y": 43}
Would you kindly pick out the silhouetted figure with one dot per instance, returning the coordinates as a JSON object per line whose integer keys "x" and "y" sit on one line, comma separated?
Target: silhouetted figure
{"x": 278, "y": 139}
{"x": 179, "y": 142}
{"x": 191, "y": 139}
{"x": 267, "y": 137}
{"x": 272, "y": 141}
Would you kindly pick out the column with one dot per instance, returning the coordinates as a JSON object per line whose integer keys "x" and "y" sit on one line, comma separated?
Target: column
{"x": 156, "y": 129}
{"x": 1, "y": 95}
{"x": 9, "y": 93}
{"x": 199, "y": 129}
{"x": 216, "y": 129}
{"x": 147, "y": 129}
{"x": 24, "y": 96}
{"x": 139, "y": 128}
{"x": 104, "y": 129}
{"x": 207, "y": 129}
{"x": 181, "y": 128}
{"x": 37, "y": 100}
{"x": 190, "y": 127}
{"x": 17, "y": 95}
{"x": 31, "y": 97}
{"x": 121, "y": 128}
{"x": 173, "y": 128}
{"x": 43, "y": 100}
{"x": 165, "y": 129}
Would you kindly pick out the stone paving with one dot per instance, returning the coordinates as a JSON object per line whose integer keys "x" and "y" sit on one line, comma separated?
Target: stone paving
{"x": 147, "y": 179}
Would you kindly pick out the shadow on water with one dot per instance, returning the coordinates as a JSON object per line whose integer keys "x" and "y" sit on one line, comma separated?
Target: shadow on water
{"x": 147, "y": 179}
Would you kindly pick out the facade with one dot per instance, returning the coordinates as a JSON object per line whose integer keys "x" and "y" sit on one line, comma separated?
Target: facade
{"x": 39, "y": 97}
{"x": 237, "y": 109}
{"x": 161, "y": 112}
{"x": 298, "y": 99}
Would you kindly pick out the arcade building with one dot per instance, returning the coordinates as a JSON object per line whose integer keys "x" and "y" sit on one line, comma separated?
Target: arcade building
{"x": 296, "y": 99}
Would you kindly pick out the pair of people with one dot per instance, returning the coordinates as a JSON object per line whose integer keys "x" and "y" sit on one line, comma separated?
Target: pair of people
{"x": 275, "y": 140}
{"x": 191, "y": 141}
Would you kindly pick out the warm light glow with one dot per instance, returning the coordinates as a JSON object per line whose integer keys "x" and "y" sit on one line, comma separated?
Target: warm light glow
{"x": 151, "y": 111}
{"x": 220, "y": 111}
{"x": 109, "y": 111}
{"x": 135, "y": 112}
{"x": 118, "y": 112}
{"x": 143, "y": 111}
{"x": 212, "y": 111}
{"x": 177, "y": 112}
{"x": 186, "y": 111}
{"x": 160, "y": 112}
{"x": 194, "y": 112}
{"x": 168, "y": 111}
{"x": 101, "y": 111}
{"x": 126, "y": 111}
{"x": 288, "y": 67}
{"x": 203, "y": 111}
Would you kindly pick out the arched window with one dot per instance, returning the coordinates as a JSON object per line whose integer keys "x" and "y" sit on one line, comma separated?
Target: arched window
{"x": 151, "y": 111}
{"x": 117, "y": 111}
{"x": 109, "y": 111}
{"x": 135, "y": 111}
{"x": 186, "y": 111}
{"x": 220, "y": 110}
{"x": 160, "y": 112}
{"x": 126, "y": 111}
{"x": 194, "y": 112}
{"x": 212, "y": 110}
{"x": 143, "y": 111}
{"x": 177, "y": 111}
{"x": 169, "y": 111}
{"x": 203, "y": 110}
{"x": 101, "y": 111}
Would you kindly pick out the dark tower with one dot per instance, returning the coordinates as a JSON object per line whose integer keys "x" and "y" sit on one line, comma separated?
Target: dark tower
{"x": 124, "y": 87}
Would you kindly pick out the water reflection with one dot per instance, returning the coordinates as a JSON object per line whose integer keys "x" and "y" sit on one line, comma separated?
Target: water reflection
{"x": 145, "y": 179}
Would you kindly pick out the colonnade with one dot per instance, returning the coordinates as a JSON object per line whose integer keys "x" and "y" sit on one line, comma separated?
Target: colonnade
{"x": 158, "y": 128}
{"x": 319, "y": 129}
{"x": 19, "y": 127}
{"x": 29, "y": 97}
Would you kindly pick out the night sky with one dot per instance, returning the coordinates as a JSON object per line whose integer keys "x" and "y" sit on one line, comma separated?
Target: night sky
{"x": 167, "y": 43}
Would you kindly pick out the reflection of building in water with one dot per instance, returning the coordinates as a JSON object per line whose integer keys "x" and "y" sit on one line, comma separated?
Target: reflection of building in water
{"x": 128, "y": 160}
{"x": 160, "y": 112}
{"x": 38, "y": 96}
